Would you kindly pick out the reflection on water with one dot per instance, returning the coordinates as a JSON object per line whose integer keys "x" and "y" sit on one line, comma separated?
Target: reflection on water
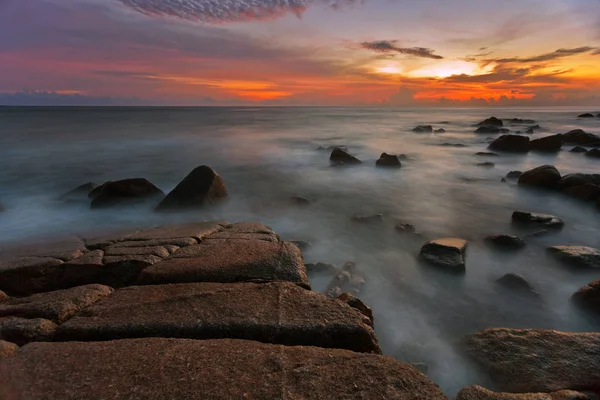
{"x": 267, "y": 155}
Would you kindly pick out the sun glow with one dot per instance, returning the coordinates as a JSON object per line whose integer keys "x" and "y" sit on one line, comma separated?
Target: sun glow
{"x": 449, "y": 68}
{"x": 388, "y": 69}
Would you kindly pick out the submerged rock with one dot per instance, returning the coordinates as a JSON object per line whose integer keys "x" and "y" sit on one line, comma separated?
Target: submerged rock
{"x": 585, "y": 192}
{"x": 595, "y": 153}
{"x": 299, "y": 201}
{"x": 368, "y": 219}
{"x": 517, "y": 283}
{"x": 579, "y": 256}
{"x": 511, "y": 143}
{"x": 80, "y": 193}
{"x": 548, "y": 144}
{"x": 545, "y": 176}
{"x": 339, "y": 156}
{"x": 406, "y": 228}
{"x": 486, "y": 154}
{"x": 423, "y": 129}
{"x": 479, "y": 393}
{"x": 573, "y": 180}
{"x": 202, "y": 187}
{"x": 588, "y": 296}
{"x": 446, "y": 253}
{"x": 519, "y": 121}
{"x": 514, "y": 174}
{"x": 537, "y": 220}
{"x": 492, "y": 121}
{"x": 389, "y": 160}
{"x": 505, "y": 241}
{"x": 578, "y": 149}
{"x": 441, "y": 130}
{"x": 586, "y": 115}
{"x": 491, "y": 129}
{"x": 580, "y": 137}
{"x": 125, "y": 192}
{"x": 486, "y": 165}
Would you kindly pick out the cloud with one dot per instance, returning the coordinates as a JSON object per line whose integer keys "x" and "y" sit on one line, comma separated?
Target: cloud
{"x": 225, "y": 11}
{"x": 389, "y": 46}
{"x": 560, "y": 53}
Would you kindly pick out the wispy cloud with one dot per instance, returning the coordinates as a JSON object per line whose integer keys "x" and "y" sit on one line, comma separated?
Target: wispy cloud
{"x": 389, "y": 46}
{"x": 224, "y": 11}
{"x": 560, "y": 53}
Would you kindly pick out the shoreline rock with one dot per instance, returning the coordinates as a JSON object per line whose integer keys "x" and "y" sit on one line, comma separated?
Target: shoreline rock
{"x": 527, "y": 219}
{"x": 201, "y": 187}
{"x": 511, "y": 143}
{"x": 448, "y": 254}
{"x": 546, "y": 176}
{"x": 339, "y": 156}
{"x": 389, "y": 161}
{"x": 124, "y": 193}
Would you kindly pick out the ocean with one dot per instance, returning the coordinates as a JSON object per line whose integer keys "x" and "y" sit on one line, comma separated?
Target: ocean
{"x": 267, "y": 155}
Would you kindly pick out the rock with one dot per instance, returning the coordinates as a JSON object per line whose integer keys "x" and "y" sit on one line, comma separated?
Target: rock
{"x": 453, "y": 145}
{"x": 573, "y": 180}
{"x": 537, "y": 220}
{"x": 585, "y": 192}
{"x": 423, "y": 129}
{"x": 368, "y": 219}
{"x": 339, "y": 156}
{"x": 548, "y": 144}
{"x": 479, "y": 393}
{"x": 586, "y": 115}
{"x": 321, "y": 268}
{"x": 546, "y": 176}
{"x": 207, "y": 369}
{"x": 202, "y": 187}
{"x": 22, "y": 331}
{"x": 228, "y": 262}
{"x": 441, "y": 130}
{"x": 79, "y": 193}
{"x": 486, "y": 165}
{"x": 514, "y": 174}
{"x": 595, "y": 153}
{"x": 486, "y": 154}
{"x": 300, "y": 201}
{"x": 519, "y": 121}
{"x": 536, "y": 360}
{"x": 588, "y": 296}
{"x": 388, "y": 160}
{"x": 56, "y": 306}
{"x": 517, "y": 283}
{"x": 356, "y": 303}
{"x": 278, "y": 312}
{"x": 579, "y": 149}
{"x": 346, "y": 280}
{"x": 511, "y": 143}
{"x": 579, "y": 256}
{"x": 63, "y": 249}
{"x": 3, "y": 296}
{"x": 580, "y": 137}
{"x": 505, "y": 241}
{"x": 491, "y": 129}
{"x": 446, "y": 253}
{"x": 492, "y": 121}
{"x": 125, "y": 192}
{"x": 406, "y": 228}
{"x": 7, "y": 349}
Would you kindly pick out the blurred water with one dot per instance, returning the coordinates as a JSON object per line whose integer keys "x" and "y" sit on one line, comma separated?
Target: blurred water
{"x": 266, "y": 155}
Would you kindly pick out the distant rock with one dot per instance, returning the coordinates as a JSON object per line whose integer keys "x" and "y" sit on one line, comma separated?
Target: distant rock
{"x": 579, "y": 256}
{"x": 516, "y": 283}
{"x": 80, "y": 193}
{"x": 491, "y": 129}
{"x": 447, "y": 122}
{"x": 453, "y": 145}
{"x": 124, "y": 192}
{"x": 423, "y": 129}
{"x": 486, "y": 154}
{"x": 505, "y": 241}
{"x": 519, "y": 121}
{"x": 202, "y": 187}
{"x": 537, "y": 220}
{"x": 588, "y": 296}
{"x": 405, "y": 228}
{"x": 339, "y": 156}
{"x": 441, "y": 130}
{"x": 549, "y": 144}
{"x": 586, "y": 115}
{"x": 389, "y": 160}
{"x": 486, "y": 165}
{"x": 299, "y": 201}
{"x": 546, "y": 176}
{"x": 511, "y": 143}
{"x": 514, "y": 174}
{"x": 585, "y": 192}
{"x": 446, "y": 253}
{"x": 578, "y": 149}
{"x": 580, "y": 137}
{"x": 492, "y": 121}
{"x": 594, "y": 153}
{"x": 368, "y": 219}
{"x": 480, "y": 393}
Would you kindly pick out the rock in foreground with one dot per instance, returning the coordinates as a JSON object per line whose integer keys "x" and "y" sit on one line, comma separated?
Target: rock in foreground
{"x": 537, "y": 360}
{"x": 479, "y": 393}
{"x": 125, "y": 192}
{"x": 202, "y": 187}
{"x": 423, "y": 129}
{"x": 213, "y": 369}
{"x": 579, "y": 256}
{"x": 446, "y": 253}
{"x": 545, "y": 176}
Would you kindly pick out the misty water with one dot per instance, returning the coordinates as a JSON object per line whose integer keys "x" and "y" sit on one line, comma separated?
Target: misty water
{"x": 267, "y": 155}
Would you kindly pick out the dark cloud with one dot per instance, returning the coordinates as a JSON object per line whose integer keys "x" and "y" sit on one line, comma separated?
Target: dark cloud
{"x": 224, "y": 11}
{"x": 560, "y": 53}
{"x": 389, "y": 46}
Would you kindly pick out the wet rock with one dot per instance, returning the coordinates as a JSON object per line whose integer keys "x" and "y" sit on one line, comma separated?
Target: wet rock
{"x": 423, "y": 129}
{"x": 579, "y": 149}
{"x": 446, "y": 253}
{"x": 368, "y": 219}
{"x": 588, "y": 296}
{"x": 516, "y": 283}
{"x": 491, "y": 129}
{"x": 536, "y": 360}
{"x": 537, "y": 220}
{"x": 548, "y": 144}
{"x": 125, "y": 192}
{"x": 511, "y": 143}
{"x": 585, "y": 192}
{"x": 278, "y": 312}
{"x": 339, "y": 156}
{"x": 356, "y": 303}
{"x": 486, "y": 154}
{"x": 514, "y": 174}
{"x": 441, "y": 130}
{"x": 579, "y": 256}
{"x": 505, "y": 241}
{"x": 479, "y": 393}
{"x": 300, "y": 201}
{"x": 492, "y": 121}
{"x": 321, "y": 268}
{"x": 80, "y": 193}
{"x": 208, "y": 369}
{"x": 202, "y": 187}
{"x": 580, "y": 137}
{"x": 7, "y": 349}
{"x": 486, "y": 165}
{"x": 595, "y": 153}
{"x": 22, "y": 331}
{"x": 56, "y": 306}
{"x": 546, "y": 176}
{"x": 573, "y": 180}
{"x": 389, "y": 160}
{"x": 586, "y": 115}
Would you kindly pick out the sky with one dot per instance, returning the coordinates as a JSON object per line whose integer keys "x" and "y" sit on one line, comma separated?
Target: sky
{"x": 300, "y": 52}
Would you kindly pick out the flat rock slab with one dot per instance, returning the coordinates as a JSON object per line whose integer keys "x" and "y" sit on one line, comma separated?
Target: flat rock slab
{"x": 22, "y": 331}
{"x": 445, "y": 253}
{"x": 230, "y": 261}
{"x": 205, "y": 369}
{"x": 479, "y": 393}
{"x": 533, "y": 360}
{"x": 282, "y": 313}
{"x": 579, "y": 256}
{"x": 55, "y": 306}
{"x": 64, "y": 249}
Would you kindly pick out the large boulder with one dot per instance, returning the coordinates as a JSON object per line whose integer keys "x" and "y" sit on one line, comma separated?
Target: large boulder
{"x": 588, "y": 296}
{"x": 580, "y": 137}
{"x": 536, "y": 360}
{"x": 423, "y": 129}
{"x": 339, "y": 156}
{"x": 545, "y": 176}
{"x": 161, "y": 369}
{"x": 125, "y": 192}
{"x": 511, "y": 143}
{"x": 548, "y": 144}
{"x": 528, "y": 219}
{"x": 492, "y": 121}
{"x": 578, "y": 256}
{"x": 446, "y": 253}
{"x": 389, "y": 160}
{"x": 594, "y": 153}
{"x": 203, "y": 186}
{"x": 479, "y": 393}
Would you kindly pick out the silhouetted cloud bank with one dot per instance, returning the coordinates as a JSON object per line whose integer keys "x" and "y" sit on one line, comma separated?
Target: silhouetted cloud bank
{"x": 389, "y": 46}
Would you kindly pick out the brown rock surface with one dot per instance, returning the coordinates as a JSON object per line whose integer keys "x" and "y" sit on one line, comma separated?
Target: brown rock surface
{"x": 177, "y": 369}
{"x": 22, "y": 331}
{"x": 202, "y": 187}
{"x": 537, "y": 360}
{"x": 7, "y": 349}
{"x": 282, "y": 313}
{"x": 579, "y": 256}
{"x": 446, "y": 253}
{"x": 55, "y": 306}
{"x": 479, "y": 393}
